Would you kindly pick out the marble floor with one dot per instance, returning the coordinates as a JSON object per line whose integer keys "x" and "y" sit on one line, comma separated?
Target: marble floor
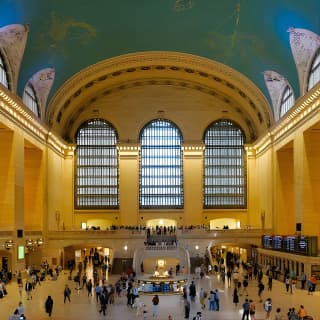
{"x": 84, "y": 307}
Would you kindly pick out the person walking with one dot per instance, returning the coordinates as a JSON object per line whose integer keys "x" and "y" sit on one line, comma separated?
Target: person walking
{"x": 202, "y": 297}
{"x": 252, "y": 309}
{"x": 20, "y": 287}
{"x": 235, "y": 297}
{"x": 186, "y": 308}
{"x": 246, "y": 309}
{"x": 212, "y": 300}
{"x": 28, "y": 288}
{"x": 192, "y": 291}
{"x": 103, "y": 302}
{"x": 49, "y": 306}
{"x": 217, "y": 300}
{"x": 270, "y": 281}
{"x": 268, "y": 308}
{"x": 89, "y": 287}
{"x": 155, "y": 306}
{"x": 245, "y": 284}
{"x": 66, "y": 293}
{"x": 303, "y": 279}
{"x": 302, "y": 313}
{"x": 21, "y": 309}
{"x": 260, "y": 290}
{"x": 279, "y": 315}
{"x": 98, "y": 291}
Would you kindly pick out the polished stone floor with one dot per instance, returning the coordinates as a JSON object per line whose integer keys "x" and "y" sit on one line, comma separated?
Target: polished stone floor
{"x": 84, "y": 307}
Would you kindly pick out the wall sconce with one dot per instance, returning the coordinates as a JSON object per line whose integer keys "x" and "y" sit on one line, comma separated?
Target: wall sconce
{"x": 125, "y": 248}
{"x": 30, "y": 243}
{"x": 39, "y": 242}
{"x": 197, "y": 247}
{"x": 9, "y": 244}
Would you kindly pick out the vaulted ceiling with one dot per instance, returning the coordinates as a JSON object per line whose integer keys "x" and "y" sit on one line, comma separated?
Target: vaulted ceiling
{"x": 250, "y": 36}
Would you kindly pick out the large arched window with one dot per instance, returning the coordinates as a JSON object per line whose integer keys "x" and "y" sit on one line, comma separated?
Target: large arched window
{"x": 3, "y": 73}
{"x": 314, "y": 74}
{"x": 225, "y": 183}
{"x": 96, "y": 181}
{"x": 287, "y": 100}
{"x": 161, "y": 168}
{"x": 30, "y": 100}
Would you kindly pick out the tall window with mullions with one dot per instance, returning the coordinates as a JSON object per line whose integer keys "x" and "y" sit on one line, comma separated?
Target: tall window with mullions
{"x": 3, "y": 73}
{"x": 224, "y": 183}
{"x": 96, "y": 181}
{"x": 161, "y": 166}
{"x": 314, "y": 74}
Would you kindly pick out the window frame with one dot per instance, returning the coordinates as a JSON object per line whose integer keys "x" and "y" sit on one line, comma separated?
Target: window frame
{"x": 161, "y": 180}
{"x": 111, "y": 165}
{"x": 314, "y": 72}
{"x": 30, "y": 99}
{"x": 287, "y": 100}
{"x": 3, "y": 72}
{"x": 213, "y": 160}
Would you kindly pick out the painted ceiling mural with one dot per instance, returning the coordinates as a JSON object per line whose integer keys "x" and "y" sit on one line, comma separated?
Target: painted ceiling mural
{"x": 248, "y": 35}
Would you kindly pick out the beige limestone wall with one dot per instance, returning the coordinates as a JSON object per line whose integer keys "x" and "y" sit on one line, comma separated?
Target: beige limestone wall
{"x": 284, "y": 219}
{"x": 55, "y": 192}
{"x": 7, "y": 180}
{"x": 33, "y": 188}
{"x": 311, "y": 183}
{"x": 193, "y": 174}
{"x": 129, "y": 191}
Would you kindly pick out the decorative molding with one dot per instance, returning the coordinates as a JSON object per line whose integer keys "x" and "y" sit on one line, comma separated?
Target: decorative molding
{"x": 15, "y": 111}
{"x": 171, "y": 68}
{"x": 304, "y": 110}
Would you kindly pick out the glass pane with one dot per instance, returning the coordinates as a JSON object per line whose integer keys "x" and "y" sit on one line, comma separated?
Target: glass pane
{"x": 30, "y": 100}
{"x": 314, "y": 76}
{"x": 3, "y": 73}
{"x": 161, "y": 178}
{"x": 287, "y": 101}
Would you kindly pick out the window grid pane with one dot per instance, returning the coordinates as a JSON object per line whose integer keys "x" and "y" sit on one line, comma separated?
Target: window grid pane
{"x": 96, "y": 183}
{"x": 161, "y": 172}
{"x": 225, "y": 183}
{"x": 3, "y": 73}
{"x": 314, "y": 76}
{"x": 287, "y": 101}
{"x": 30, "y": 100}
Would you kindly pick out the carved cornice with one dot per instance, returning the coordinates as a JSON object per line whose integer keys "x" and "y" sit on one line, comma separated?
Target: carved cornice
{"x": 304, "y": 110}
{"x": 19, "y": 115}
